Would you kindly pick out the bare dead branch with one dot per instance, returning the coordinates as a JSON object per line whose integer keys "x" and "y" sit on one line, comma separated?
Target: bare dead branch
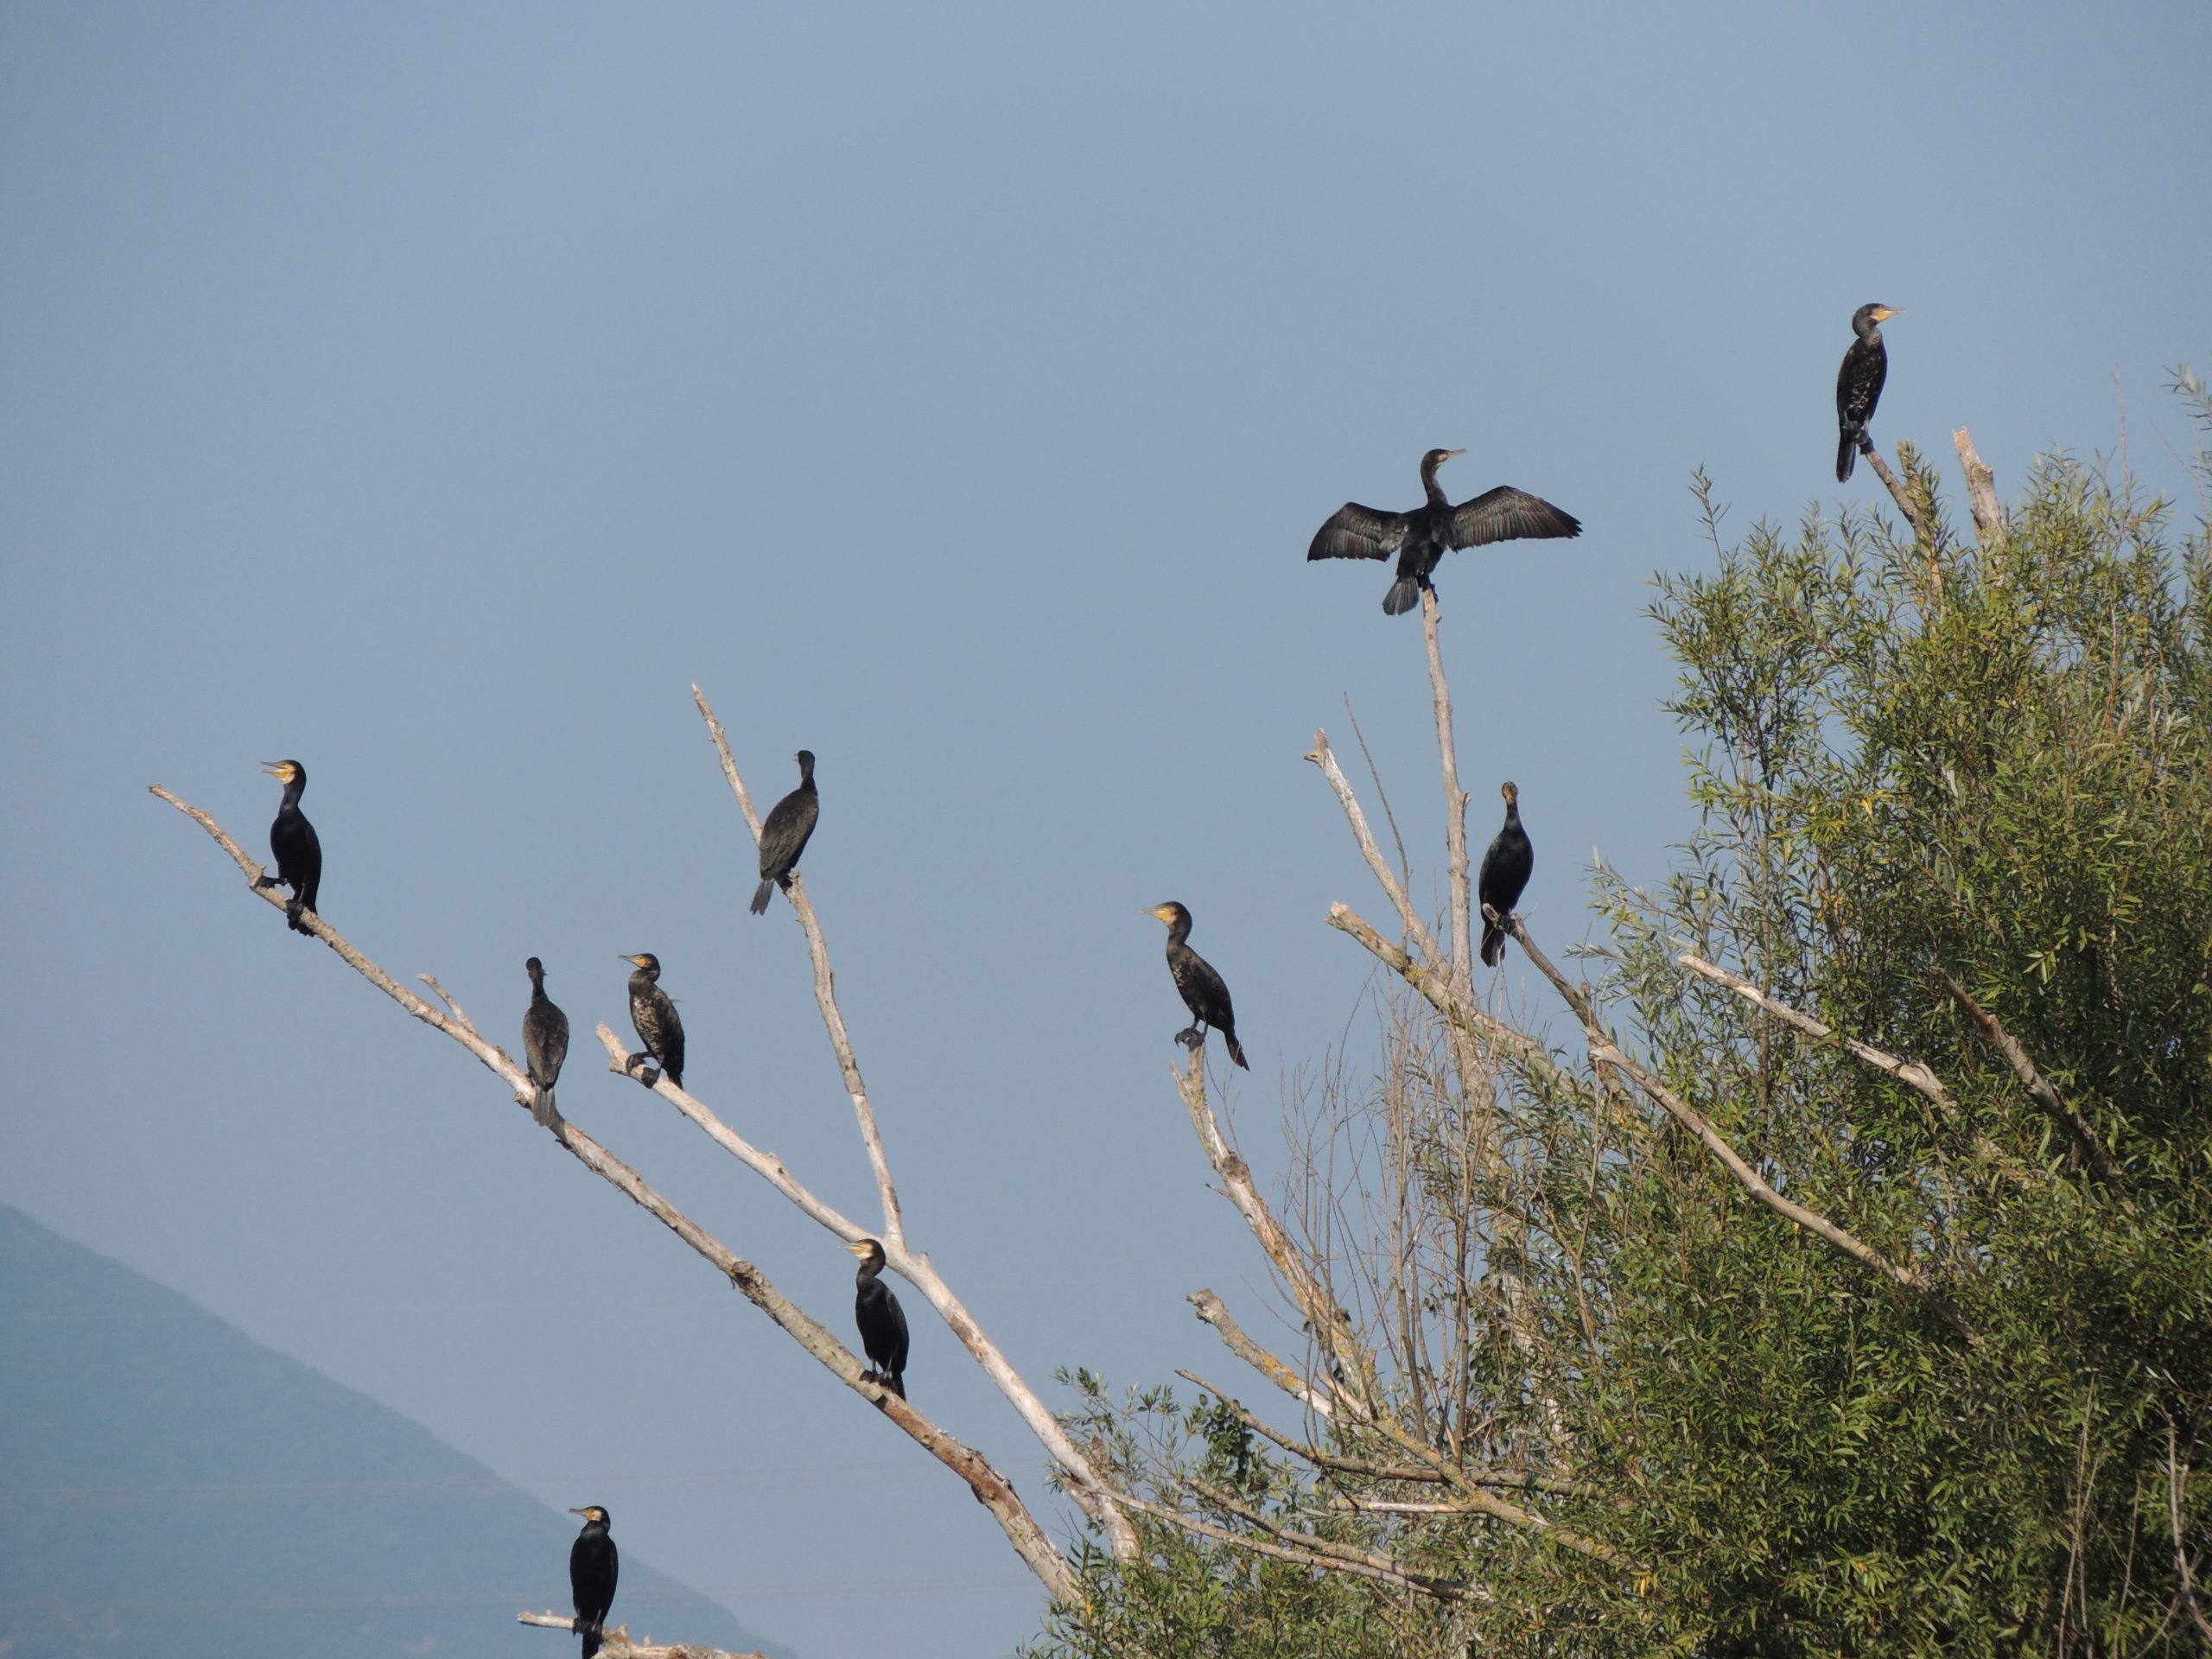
{"x": 991, "y": 1489}
{"x": 1434, "y": 989}
{"x": 1214, "y": 1312}
{"x": 617, "y": 1644}
{"x": 1911, "y": 1073}
{"x": 825, "y": 990}
{"x": 2040, "y": 1087}
{"x": 1981, "y": 493}
{"x": 1094, "y": 1496}
{"x": 1326, "y": 1318}
{"x": 1338, "y": 1556}
{"x": 1455, "y": 808}
{"x": 1920, "y": 530}
{"x": 1605, "y": 1052}
{"x": 1377, "y": 1567}
{"x": 1322, "y": 756}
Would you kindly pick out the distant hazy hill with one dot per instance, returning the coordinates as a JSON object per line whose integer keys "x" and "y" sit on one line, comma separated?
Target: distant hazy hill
{"x": 169, "y": 1486}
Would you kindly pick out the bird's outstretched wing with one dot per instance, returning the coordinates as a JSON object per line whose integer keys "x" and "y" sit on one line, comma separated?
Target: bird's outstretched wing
{"x": 1357, "y": 532}
{"x": 1505, "y": 514}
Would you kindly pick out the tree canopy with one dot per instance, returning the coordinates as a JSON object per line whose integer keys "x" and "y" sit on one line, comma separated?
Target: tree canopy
{"x": 1936, "y": 965}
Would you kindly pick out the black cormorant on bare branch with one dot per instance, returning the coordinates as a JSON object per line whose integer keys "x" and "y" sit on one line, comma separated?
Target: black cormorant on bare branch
{"x": 292, "y": 839}
{"x": 882, "y": 1322}
{"x": 1421, "y": 537}
{"x": 1858, "y": 383}
{"x": 1204, "y": 993}
{"x": 593, "y": 1565}
{"x": 1505, "y": 873}
{"x": 545, "y": 1044}
{"x": 654, "y": 1015}
{"x": 783, "y": 833}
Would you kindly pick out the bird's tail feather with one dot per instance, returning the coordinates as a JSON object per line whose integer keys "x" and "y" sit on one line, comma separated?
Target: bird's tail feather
{"x": 1235, "y": 1049}
{"x": 1404, "y": 594}
{"x": 591, "y": 1640}
{"x": 1493, "y": 945}
{"x": 898, "y": 1384}
{"x": 760, "y": 897}
{"x": 1847, "y": 456}
{"x": 541, "y": 1108}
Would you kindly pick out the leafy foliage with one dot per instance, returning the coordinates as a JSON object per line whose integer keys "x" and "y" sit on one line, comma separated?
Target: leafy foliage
{"x": 1919, "y": 764}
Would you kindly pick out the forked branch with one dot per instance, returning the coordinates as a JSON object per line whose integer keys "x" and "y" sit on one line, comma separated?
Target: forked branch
{"x": 990, "y": 1488}
{"x": 1095, "y": 1497}
{"x": 2040, "y": 1087}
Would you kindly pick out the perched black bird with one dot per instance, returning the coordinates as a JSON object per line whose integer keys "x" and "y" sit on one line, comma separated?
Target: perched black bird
{"x": 1504, "y": 872}
{"x": 545, "y": 1044}
{"x": 882, "y": 1323}
{"x": 292, "y": 838}
{"x": 654, "y": 1015}
{"x": 1421, "y": 537}
{"x": 1858, "y": 383}
{"x": 593, "y": 1565}
{"x": 783, "y": 833}
{"x": 1203, "y": 993}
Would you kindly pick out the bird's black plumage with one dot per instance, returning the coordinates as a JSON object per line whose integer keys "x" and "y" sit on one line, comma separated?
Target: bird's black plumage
{"x": 1204, "y": 992}
{"x": 1858, "y": 383}
{"x": 783, "y": 833}
{"x": 1421, "y": 538}
{"x": 545, "y": 1044}
{"x": 882, "y": 1322}
{"x": 593, "y": 1565}
{"x": 293, "y": 840}
{"x": 654, "y": 1015}
{"x": 1505, "y": 873}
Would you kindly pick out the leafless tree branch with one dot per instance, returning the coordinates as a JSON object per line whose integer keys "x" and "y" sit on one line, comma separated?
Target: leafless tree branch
{"x": 991, "y": 1489}
{"x": 1981, "y": 493}
{"x": 1922, "y": 530}
{"x": 1911, "y": 1073}
{"x": 1287, "y": 1377}
{"x": 2040, "y": 1089}
{"x": 1605, "y": 1052}
{"x": 1084, "y": 1485}
{"x": 617, "y": 1644}
{"x": 1455, "y": 808}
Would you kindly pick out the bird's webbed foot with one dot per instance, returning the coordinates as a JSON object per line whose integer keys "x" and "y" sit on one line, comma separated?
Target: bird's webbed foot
{"x": 1190, "y": 1037}
{"x": 640, "y": 1066}
{"x": 264, "y": 879}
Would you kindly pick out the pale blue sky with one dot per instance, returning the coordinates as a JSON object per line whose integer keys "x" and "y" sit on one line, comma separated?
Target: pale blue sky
{"x": 432, "y": 393}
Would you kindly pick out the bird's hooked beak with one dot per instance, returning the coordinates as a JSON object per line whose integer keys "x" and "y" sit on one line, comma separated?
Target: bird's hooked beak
{"x": 1160, "y": 913}
{"x": 1448, "y": 454}
{"x": 277, "y": 770}
{"x": 1884, "y": 313}
{"x": 855, "y": 1249}
{"x": 635, "y": 962}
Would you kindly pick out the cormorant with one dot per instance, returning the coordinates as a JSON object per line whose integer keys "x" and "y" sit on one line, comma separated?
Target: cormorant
{"x": 883, "y": 1325}
{"x": 783, "y": 833}
{"x": 545, "y": 1044}
{"x": 593, "y": 1565}
{"x": 292, "y": 838}
{"x": 1421, "y": 537}
{"x": 1504, "y": 872}
{"x": 654, "y": 1015}
{"x": 1859, "y": 384}
{"x": 1203, "y": 993}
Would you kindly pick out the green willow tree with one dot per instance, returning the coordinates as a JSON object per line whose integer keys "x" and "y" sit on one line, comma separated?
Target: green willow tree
{"x": 1937, "y": 967}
